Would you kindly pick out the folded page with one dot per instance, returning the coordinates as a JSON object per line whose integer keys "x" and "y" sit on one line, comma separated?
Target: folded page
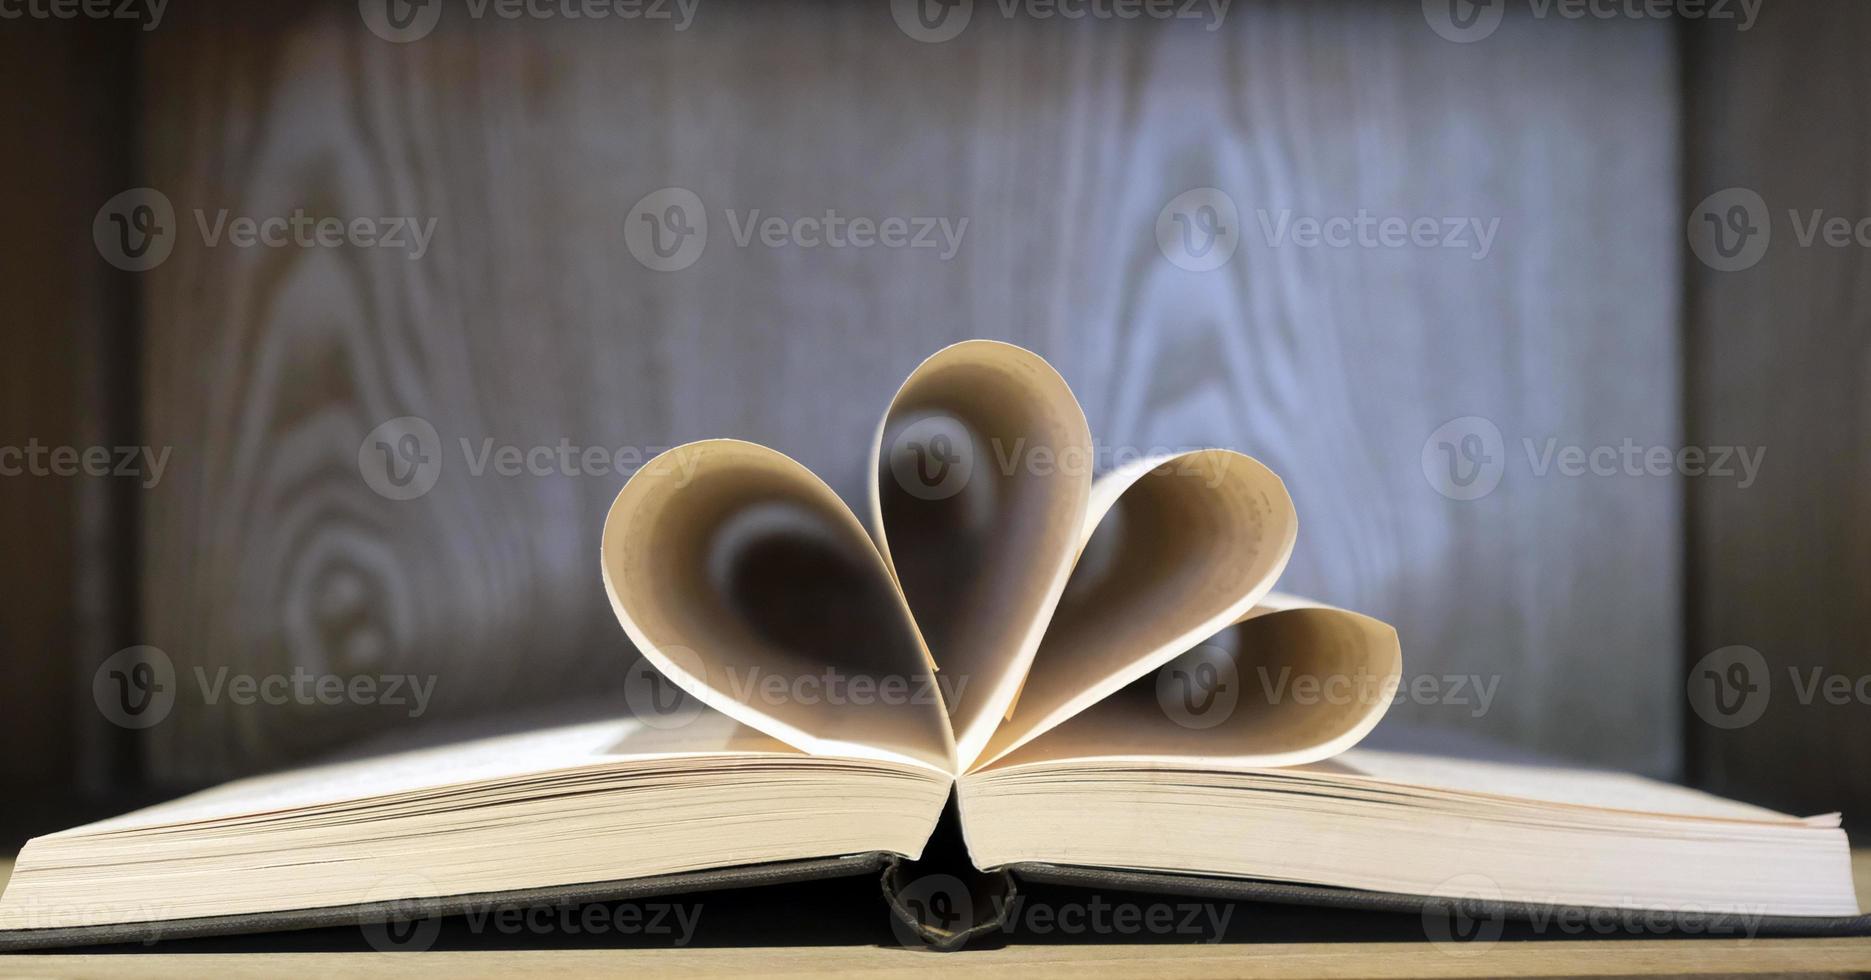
{"x": 747, "y": 582}
{"x": 1293, "y": 682}
{"x": 1175, "y": 548}
{"x": 982, "y": 470}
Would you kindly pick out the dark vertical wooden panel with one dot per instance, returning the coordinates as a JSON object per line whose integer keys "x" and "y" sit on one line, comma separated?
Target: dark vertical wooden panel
{"x": 1061, "y": 142}
{"x": 1780, "y": 360}
{"x": 64, "y": 383}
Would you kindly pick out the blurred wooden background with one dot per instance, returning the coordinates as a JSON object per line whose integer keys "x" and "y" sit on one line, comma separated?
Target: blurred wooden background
{"x": 1780, "y": 356}
{"x": 528, "y": 321}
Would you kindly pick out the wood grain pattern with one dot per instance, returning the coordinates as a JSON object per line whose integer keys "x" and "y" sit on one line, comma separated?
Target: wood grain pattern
{"x": 1779, "y": 358}
{"x": 529, "y": 321}
{"x": 65, "y": 381}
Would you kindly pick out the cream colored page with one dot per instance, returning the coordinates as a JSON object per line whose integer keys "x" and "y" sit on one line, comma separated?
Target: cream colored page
{"x": 747, "y": 582}
{"x": 1173, "y": 550}
{"x": 981, "y": 478}
{"x": 454, "y": 764}
{"x": 1553, "y": 784}
{"x": 1293, "y": 682}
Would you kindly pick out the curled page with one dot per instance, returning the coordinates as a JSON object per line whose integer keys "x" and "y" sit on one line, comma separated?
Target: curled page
{"x": 1174, "y": 549}
{"x": 982, "y": 481}
{"x": 1293, "y": 682}
{"x": 745, "y": 580}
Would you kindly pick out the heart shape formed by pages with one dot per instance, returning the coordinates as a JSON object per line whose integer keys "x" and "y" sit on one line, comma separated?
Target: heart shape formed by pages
{"x": 1004, "y": 600}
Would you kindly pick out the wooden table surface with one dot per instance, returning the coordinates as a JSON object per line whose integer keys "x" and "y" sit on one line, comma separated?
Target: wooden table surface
{"x": 1320, "y": 959}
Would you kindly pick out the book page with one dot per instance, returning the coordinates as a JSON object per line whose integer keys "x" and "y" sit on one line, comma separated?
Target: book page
{"x": 1293, "y": 682}
{"x": 982, "y": 475}
{"x": 452, "y": 764}
{"x": 747, "y": 582}
{"x": 1549, "y": 783}
{"x": 1175, "y": 549}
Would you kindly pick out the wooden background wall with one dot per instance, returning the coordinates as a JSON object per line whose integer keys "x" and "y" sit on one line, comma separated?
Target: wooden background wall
{"x": 1780, "y": 357}
{"x": 67, "y": 379}
{"x": 528, "y": 321}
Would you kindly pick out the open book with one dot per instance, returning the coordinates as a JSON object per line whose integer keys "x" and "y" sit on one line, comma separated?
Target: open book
{"x": 1099, "y": 671}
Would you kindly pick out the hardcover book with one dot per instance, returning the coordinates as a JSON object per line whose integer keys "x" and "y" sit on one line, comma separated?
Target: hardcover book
{"x": 1099, "y": 672}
